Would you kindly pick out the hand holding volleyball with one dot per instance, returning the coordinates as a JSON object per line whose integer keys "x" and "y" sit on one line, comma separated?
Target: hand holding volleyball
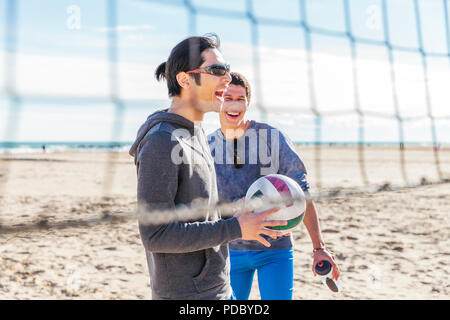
{"x": 254, "y": 224}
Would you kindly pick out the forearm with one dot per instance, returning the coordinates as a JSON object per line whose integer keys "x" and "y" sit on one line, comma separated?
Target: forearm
{"x": 311, "y": 221}
{"x": 181, "y": 237}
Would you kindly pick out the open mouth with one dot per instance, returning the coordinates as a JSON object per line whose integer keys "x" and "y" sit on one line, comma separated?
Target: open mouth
{"x": 233, "y": 115}
{"x": 219, "y": 94}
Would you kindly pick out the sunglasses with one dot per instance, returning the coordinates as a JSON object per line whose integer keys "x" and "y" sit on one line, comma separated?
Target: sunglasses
{"x": 236, "y": 159}
{"x": 214, "y": 69}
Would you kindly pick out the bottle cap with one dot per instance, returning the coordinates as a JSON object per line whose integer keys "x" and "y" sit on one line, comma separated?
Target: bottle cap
{"x": 323, "y": 267}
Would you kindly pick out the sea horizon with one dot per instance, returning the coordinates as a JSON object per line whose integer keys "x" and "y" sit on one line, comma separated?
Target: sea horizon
{"x": 23, "y": 147}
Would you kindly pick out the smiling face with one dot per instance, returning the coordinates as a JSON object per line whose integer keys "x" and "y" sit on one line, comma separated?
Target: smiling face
{"x": 209, "y": 95}
{"x": 234, "y": 107}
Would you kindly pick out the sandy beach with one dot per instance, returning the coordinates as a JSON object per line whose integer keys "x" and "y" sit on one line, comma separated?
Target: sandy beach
{"x": 392, "y": 244}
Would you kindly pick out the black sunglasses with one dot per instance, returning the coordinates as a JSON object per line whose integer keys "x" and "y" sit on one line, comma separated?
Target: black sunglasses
{"x": 236, "y": 159}
{"x": 214, "y": 69}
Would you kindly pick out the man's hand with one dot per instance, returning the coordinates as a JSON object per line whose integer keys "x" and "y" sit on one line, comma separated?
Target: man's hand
{"x": 253, "y": 225}
{"x": 327, "y": 255}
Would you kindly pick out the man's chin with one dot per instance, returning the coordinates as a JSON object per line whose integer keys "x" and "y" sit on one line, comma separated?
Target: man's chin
{"x": 234, "y": 125}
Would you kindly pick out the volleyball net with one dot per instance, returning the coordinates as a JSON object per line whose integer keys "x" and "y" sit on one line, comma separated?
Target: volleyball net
{"x": 302, "y": 59}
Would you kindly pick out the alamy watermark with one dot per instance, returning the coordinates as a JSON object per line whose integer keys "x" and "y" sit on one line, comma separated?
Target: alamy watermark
{"x": 373, "y": 17}
{"x": 230, "y": 151}
{"x": 73, "y": 281}
{"x": 73, "y": 21}
{"x": 374, "y": 277}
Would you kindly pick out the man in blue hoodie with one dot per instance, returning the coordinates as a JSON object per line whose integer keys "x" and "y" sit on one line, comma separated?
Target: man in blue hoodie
{"x": 186, "y": 244}
{"x": 244, "y": 151}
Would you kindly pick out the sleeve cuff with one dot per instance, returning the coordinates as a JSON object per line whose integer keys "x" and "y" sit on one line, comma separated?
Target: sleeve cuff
{"x": 234, "y": 229}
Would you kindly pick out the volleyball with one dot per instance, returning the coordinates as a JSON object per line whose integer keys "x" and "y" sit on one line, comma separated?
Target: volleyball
{"x": 276, "y": 190}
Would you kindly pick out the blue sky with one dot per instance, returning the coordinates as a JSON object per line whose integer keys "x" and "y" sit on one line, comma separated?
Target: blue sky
{"x": 56, "y": 58}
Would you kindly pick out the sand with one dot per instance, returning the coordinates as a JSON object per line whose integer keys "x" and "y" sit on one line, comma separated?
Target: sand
{"x": 389, "y": 244}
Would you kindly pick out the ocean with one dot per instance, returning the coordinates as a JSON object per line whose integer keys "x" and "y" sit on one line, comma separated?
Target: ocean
{"x": 52, "y": 147}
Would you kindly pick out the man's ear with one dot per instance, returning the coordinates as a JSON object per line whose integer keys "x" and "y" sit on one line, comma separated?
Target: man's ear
{"x": 183, "y": 80}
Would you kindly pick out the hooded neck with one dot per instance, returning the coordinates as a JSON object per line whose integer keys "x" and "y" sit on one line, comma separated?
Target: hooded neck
{"x": 162, "y": 116}
{"x": 185, "y": 109}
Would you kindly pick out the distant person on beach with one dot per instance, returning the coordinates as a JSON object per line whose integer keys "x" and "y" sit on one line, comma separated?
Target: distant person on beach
{"x": 43, "y": 148}
{"x": 275, "y": 263}
{"x": 188, "y": 259}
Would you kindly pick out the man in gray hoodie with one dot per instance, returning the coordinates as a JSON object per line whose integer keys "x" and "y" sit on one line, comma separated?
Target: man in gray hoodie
{"x": 187, "y": 250}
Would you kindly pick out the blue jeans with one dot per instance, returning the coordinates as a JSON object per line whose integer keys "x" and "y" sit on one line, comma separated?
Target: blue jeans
{"x": 275, "y": 273}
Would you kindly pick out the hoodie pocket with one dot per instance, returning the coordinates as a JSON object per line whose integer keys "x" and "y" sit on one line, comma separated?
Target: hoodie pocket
{"x": 212, "y": 274}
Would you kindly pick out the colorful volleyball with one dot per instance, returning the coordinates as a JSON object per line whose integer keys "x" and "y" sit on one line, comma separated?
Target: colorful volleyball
{"x": 276, "y": 190}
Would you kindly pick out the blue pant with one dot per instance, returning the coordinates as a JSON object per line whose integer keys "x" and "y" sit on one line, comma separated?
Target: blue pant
{"x": 275, "y": 273}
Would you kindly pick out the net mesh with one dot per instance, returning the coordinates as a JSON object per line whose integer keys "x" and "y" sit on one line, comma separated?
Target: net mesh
{"x": 15, "y": 100}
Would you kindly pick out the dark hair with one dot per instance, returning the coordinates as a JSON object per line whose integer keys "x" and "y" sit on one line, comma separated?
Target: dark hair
{"x": 239, "y": 80}
{"x": 185, "y": 56}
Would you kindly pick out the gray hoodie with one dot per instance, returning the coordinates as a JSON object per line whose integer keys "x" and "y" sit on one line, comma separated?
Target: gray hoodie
{"x": 187, "y": 257}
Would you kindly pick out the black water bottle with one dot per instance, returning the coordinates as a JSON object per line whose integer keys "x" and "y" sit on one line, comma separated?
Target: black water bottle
{"x": 324, "y": 269}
